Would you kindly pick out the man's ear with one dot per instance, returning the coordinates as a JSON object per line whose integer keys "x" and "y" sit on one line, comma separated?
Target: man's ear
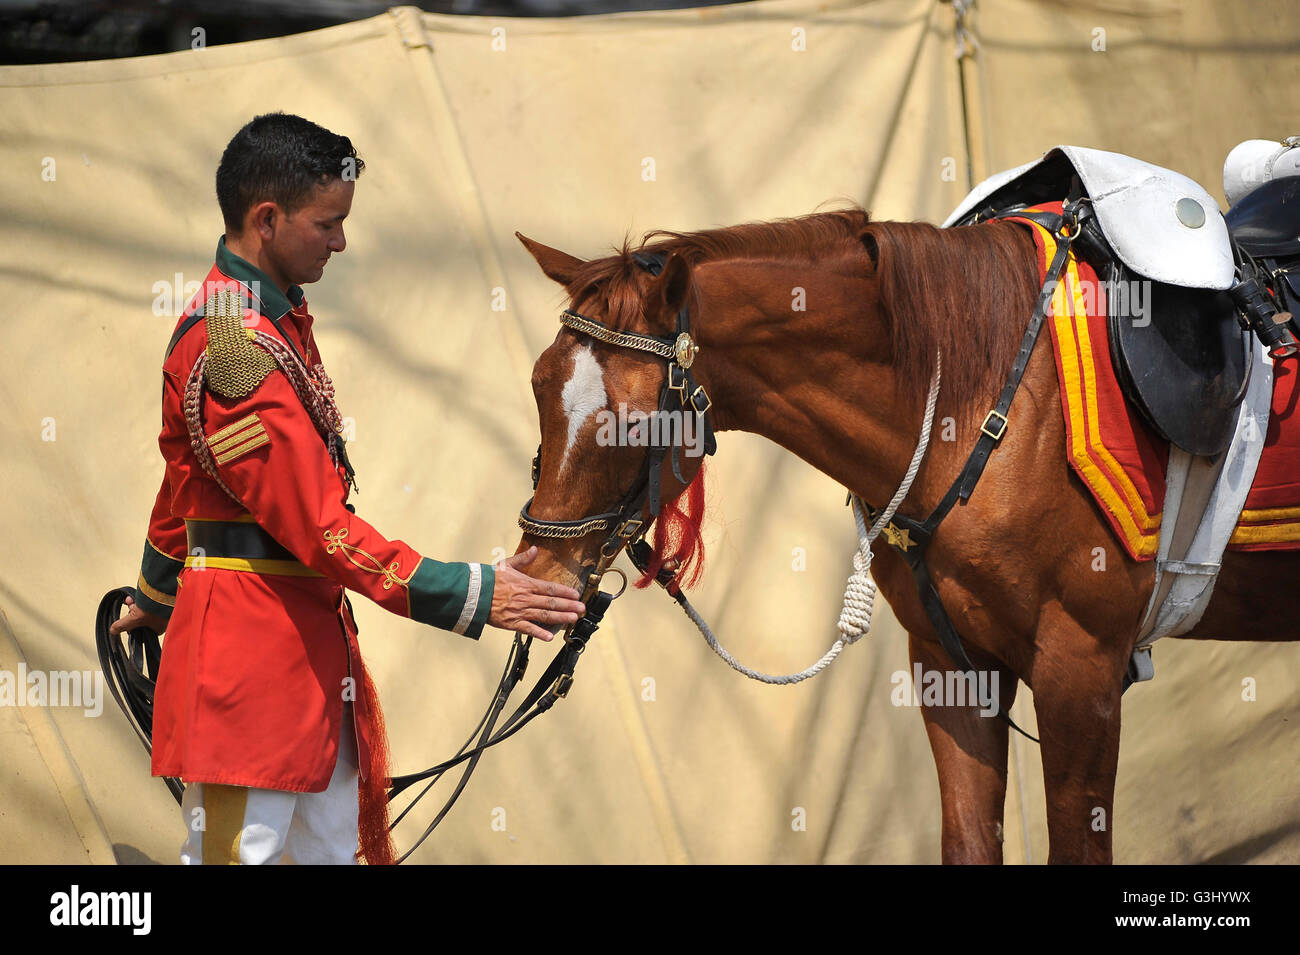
{"x": 667, "y": 293}
{"x": 262, "y": 219}
{"x": 557, "y": 265}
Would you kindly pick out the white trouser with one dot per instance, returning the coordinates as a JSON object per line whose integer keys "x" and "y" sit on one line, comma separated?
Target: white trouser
{"x": 234, "y": 825}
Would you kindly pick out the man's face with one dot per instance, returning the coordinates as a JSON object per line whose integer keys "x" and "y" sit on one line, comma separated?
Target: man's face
{"x": 304, "y": 240}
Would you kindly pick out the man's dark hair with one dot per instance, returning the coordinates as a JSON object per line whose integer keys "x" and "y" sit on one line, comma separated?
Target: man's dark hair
{"x": 280, "y": 157}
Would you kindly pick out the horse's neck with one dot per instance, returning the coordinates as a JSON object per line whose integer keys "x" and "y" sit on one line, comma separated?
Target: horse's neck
{"x": 818, "y": 380}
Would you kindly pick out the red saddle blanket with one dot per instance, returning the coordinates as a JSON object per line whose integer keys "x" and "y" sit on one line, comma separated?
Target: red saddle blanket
{"x": 1117, "y": 455}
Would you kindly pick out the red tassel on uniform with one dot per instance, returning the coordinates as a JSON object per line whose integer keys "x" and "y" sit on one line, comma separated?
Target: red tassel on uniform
{"x": 375, "y": 840}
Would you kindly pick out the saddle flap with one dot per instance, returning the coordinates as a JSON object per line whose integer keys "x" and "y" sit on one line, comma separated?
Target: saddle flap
{"x": 1183, "y": 364}
{"x": 1161, "y": 224}
{"x": 1266, "y": 222}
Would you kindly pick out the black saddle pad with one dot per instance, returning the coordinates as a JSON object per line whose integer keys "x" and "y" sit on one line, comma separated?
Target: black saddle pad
{"x": 1183, "y": 363}
{"x": 1266, "y": 222}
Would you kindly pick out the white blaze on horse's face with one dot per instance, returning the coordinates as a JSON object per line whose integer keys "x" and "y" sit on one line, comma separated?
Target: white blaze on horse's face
{"x": 583, "y": 395}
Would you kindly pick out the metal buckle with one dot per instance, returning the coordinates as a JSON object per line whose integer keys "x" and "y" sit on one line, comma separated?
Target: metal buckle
{"x": 984, "y": 428}
{"x": 633, "y": 523}
{"x": 695, "y": 403}
{"x": 562, "y": 684}
{"x": 677, "y": 381}
{"x": 1072, "y": 219}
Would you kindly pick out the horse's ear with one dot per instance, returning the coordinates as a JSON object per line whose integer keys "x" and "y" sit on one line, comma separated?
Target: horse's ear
{"x": 872, "y": 246}
{"x": 557, "y": 265}
{"x": 667, "y": 294}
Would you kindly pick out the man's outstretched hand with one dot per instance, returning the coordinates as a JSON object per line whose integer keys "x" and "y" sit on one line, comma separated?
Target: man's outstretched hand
{"x": 523, "y": 604}
{"x": 136, "y": 617}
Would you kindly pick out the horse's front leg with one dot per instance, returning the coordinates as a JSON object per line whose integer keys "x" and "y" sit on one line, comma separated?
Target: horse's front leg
{"x": 1076, "y": 685}
{"x": 970, "y": 754}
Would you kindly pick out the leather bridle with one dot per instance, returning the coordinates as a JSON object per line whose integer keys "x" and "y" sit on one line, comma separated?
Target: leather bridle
{"x": 625, "y": 525}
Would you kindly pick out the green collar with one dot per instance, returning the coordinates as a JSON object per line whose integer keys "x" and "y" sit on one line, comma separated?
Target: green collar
{"x": 275, "y": 304}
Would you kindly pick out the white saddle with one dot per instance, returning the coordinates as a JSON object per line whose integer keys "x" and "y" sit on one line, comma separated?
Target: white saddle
{"x": 1162, "y": 225}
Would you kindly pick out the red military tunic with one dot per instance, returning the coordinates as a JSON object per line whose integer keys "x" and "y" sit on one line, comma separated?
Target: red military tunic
{"x": 261, "y": 653}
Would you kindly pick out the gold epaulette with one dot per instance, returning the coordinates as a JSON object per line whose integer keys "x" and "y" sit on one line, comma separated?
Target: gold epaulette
{"x": 235, "y": 364}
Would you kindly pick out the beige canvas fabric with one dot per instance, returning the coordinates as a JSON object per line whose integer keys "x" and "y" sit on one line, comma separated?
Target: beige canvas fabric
{"x": 575, "y": 132}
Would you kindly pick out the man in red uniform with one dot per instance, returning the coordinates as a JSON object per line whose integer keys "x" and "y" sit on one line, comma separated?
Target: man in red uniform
{"x": 263, "y": 707}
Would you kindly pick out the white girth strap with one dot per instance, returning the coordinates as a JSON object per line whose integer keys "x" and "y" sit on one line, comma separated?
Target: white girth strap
{"x": 1203, "y": 500}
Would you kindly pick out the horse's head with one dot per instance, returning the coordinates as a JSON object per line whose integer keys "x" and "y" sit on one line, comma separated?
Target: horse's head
{"x": 607, "y": 469}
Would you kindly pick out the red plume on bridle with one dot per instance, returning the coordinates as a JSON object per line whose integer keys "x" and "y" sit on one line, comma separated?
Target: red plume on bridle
{"x": 677, "y": 537}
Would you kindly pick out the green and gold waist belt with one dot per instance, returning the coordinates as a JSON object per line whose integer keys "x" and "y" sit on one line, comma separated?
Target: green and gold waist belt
{"x": 240, "y": 545}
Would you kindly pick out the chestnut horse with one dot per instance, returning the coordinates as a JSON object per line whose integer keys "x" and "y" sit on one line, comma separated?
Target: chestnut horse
{"x": 842, "y": 384}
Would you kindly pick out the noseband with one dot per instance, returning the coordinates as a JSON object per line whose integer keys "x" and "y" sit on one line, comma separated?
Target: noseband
{"x": 624, "y": 525}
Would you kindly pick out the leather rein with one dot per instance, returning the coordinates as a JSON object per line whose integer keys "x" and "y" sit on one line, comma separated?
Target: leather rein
{"x": 625, "y": 527}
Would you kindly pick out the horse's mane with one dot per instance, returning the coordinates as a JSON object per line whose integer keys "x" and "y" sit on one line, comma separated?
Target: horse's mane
{"x": 803, "y": 238}
{"x": 965, "y": 292}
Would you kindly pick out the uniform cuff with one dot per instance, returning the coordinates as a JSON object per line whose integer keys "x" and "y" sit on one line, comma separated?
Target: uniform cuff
{"x": 155, "y": 591}
{"x": 149, "y": 605}
{"x": 453, "y": 596}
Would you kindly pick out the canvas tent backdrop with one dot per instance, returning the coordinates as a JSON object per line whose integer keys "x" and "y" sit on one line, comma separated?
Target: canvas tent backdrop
{"x": 472, "y": 128}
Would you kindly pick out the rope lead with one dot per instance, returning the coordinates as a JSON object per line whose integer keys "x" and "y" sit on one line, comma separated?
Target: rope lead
{"x": 860, "y": 590}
